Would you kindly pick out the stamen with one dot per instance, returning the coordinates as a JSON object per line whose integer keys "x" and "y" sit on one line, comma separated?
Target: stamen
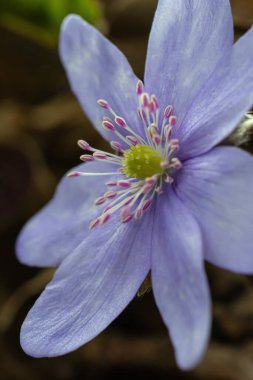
{"x": 138, "y": 214}
{"x": 73, "y": 174}
{"x": 94, "y": 223}
{"x": 128, "y": 219}
{"x": 108, "y": 126}
{"x": 172, "y": 120}
{"x": 145, "y": 167}
{"x": 165, "y": 165}
{"x": 139, "y": 88}
{"x": 86, "y": 158}
{"x": 103, "y": 103}
{"x": 145, "y": 100}
{"x": 124, "y": 184}
{"x": 146, "y": 205}
{"x": 104, "y": 218}
{"x": 116, "y": 146}
{"x": 156, "y": 139}
{"x": 125, "y": 213}
{"x": 99, "y": 155}
{"x": 99, "y": 201}
{"x": 177, "y": 164}
{"x": 111, "y": 183}
{"x": 83, "y": 145}
{"x": 169, "y": 179}
{"x": 153, "y": 129}
{"x": 132, "y": 140}
{"x": 167, "y": 112}
{"x": 146, "y": 188}
{"x": 151, "y": 181}
{"x": 110, "y": 194}
{"x": 79, "y": 174}
{"x": 120, "y": 121}
{"x": 155, "y": 102}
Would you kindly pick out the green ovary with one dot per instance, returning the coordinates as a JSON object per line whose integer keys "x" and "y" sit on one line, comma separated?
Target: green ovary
{"x": 141, "y": 161}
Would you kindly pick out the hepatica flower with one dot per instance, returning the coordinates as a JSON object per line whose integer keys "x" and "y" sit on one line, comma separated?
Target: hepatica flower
{"x": 166, "y": 201}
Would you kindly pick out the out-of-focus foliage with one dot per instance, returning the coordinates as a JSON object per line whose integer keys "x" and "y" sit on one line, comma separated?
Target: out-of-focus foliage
{"x": 41, "y": 19}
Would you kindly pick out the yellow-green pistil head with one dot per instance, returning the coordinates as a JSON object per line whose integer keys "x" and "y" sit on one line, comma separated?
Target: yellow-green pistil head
{"x": 141, "y": 161}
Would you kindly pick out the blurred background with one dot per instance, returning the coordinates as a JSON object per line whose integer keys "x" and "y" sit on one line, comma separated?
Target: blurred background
{"x": 40, "y": 123}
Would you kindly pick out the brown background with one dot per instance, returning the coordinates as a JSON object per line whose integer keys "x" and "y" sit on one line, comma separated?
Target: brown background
{"x": 40, "y": 122}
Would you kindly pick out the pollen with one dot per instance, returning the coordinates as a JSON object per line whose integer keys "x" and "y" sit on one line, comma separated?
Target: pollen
{"x": 141, "y": 161}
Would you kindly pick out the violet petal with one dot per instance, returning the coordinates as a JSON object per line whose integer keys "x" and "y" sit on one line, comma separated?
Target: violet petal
{"x": 179, "y": 280}
{"x": 89, "y": 290}
{"x": 57, "y": 229}
{"x": 98, "y": 70}
{"x": 217, "y": 188}
{"x": 187, "y": 40}
{"x": 222, "y": 103}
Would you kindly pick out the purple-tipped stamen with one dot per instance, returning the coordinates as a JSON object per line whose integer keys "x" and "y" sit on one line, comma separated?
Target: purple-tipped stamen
{"x": 103, "y": 103}
{"x": 83, "y": 145}
{"x": 87, "y": 158}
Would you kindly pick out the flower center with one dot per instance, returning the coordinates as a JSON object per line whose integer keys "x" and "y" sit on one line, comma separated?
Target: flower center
{"x": 141, "y": 161}
{"x": 143, "y": 165}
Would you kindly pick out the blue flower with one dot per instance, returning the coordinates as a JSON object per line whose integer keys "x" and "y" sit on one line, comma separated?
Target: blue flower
{"x": 172, "y": 196}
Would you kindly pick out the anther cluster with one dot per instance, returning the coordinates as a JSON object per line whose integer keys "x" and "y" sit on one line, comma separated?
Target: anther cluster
{"x": 143, "y": 164}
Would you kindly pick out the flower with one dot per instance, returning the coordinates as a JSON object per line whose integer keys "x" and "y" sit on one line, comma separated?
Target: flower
{"x": 173, "y": 197}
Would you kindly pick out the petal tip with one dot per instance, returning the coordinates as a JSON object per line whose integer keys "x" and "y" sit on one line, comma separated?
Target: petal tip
{"x": 187, "y": 361}
{"x": 70, "y": 20}
{"x": 23, "y": 246}
{"x": 20, "y": 248}
{"x": 27, "y": 344}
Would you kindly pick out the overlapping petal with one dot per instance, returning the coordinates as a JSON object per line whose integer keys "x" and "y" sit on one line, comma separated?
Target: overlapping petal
{"x": 62, "y": 224}
{"x": 91, "y": 287}
{"x": 179, "y": 281}
{"x": 222, "y": 103}
{"x": 187, "y": 40}
{"x": 97, "y": 69}
{"x": 217, "y": 188}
